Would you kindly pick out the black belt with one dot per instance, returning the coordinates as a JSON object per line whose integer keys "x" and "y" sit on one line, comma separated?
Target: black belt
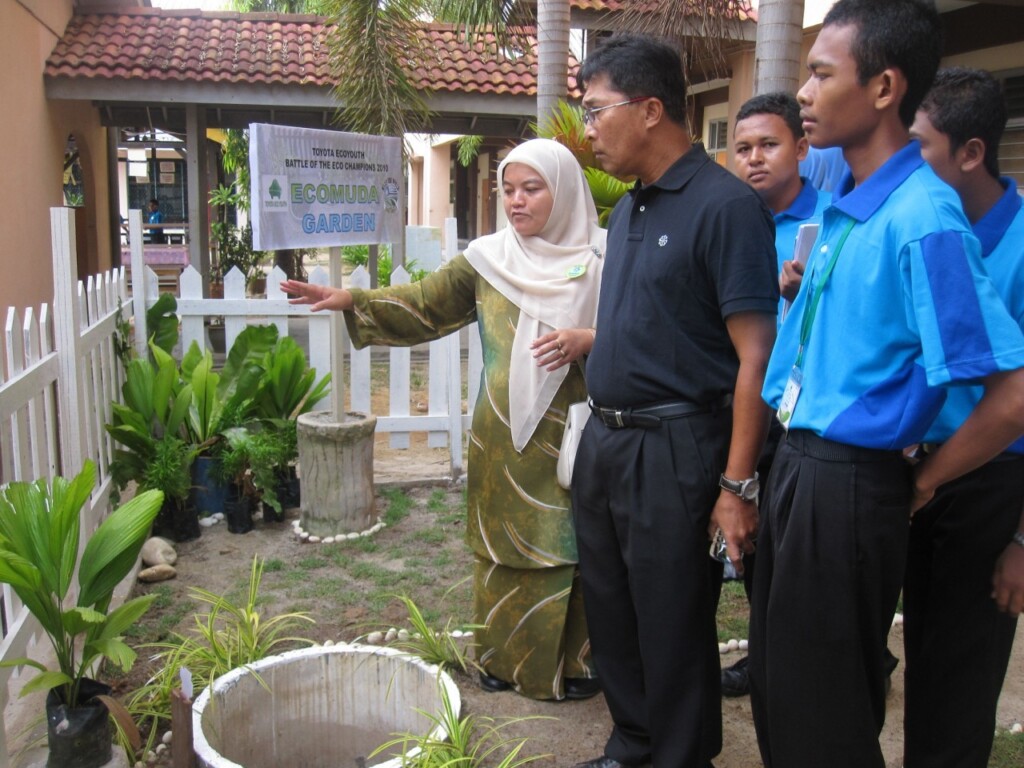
{"x": 822, "y": 448}
{"x": 650, "y": 416}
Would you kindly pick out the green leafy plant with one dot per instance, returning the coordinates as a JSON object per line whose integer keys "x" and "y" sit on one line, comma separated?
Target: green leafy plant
{"x": 359, "y": 256}
{"x": 288, "y": 386}
{"x": 40, "y": 526}
{"x": 466, "y": 742}
{"x": 154, "y": 409}
{"x": 433, "y": 646}
{"x": 225, "y": 637}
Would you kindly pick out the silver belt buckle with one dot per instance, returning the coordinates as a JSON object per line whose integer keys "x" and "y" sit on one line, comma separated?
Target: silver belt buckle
{"x": 618, "y": 419}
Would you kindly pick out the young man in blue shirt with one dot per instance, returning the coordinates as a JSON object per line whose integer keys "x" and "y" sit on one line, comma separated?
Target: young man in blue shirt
{"x": 896, "y": 306}
{"x": 964, "y": 586}
{"x": 768, "y": 146}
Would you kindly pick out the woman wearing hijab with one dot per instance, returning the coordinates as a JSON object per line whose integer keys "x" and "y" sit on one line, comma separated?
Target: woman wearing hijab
{"x": 533, "y": 288}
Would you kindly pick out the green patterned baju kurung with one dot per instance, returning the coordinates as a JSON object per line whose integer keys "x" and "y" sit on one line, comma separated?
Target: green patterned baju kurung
{"x": 520, "y": 525}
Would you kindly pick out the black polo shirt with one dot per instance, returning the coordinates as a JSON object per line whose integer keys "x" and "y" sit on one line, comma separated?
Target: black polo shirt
{"x": 684, "y": 253}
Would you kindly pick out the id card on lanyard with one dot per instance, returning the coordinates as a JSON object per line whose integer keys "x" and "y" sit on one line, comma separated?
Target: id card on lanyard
{"x": 791, "y": 393}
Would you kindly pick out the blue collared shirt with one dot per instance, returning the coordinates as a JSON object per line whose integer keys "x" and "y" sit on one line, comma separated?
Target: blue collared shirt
{"x": 907, "y": 310}
{"x": 1001, "y": 232}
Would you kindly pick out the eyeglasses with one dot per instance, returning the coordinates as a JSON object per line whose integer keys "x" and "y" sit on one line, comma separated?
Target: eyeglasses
{"x": 590, "y": 113}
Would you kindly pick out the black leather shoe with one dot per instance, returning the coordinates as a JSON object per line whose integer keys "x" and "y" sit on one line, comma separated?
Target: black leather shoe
{"x": 493, "y": 684}
{"x": 581, "y": 687}
{"x": 606, "y": 762}
{"x": 736, "y": 680}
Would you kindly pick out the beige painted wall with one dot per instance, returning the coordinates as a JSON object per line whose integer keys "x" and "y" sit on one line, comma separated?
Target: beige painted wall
{"x": 33, "y": 135}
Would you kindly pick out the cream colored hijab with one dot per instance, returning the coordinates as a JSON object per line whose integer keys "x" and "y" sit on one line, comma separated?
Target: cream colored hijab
{"x": 553, "y": 277}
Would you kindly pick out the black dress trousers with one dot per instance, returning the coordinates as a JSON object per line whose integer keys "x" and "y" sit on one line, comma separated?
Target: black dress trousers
{"x": 642, "y": 500}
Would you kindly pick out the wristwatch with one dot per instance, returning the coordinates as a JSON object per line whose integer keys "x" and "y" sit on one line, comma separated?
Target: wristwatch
{"x": 745, "y": 489}
{"x": 1018, "y": 538}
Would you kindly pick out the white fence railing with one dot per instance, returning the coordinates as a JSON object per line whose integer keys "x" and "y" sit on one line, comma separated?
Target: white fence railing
{"x": 59, "y": 375}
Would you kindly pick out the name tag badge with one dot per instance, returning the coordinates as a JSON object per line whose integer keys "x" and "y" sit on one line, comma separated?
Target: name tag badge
{"x": 789, "y": 397}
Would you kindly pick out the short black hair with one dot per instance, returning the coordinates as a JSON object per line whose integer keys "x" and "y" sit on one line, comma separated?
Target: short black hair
{"x": 778, "y": 103}
{"x": 154, "y": 201}
{"x": 968, "y": 104}
{"x": 640, "y": 65}
{"x": 905, "y": 34}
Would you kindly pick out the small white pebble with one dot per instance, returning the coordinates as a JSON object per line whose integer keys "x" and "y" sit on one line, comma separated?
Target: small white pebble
{"x": 403, "y": 635}
{"x": 297, "y": 522}
{"x": 377, "y": 527}
{"x": 734, "y": 644}
{"x": 897, "y": 619}
{"x": 328, "y": 643}
{"x": 314, "y": 539}
{"x": 353, "y": 535}
{"x": 375, "y": 638}
{"x": 151, "y": 756}
{"x": 139, "y": 764}
{"x": 329, "y": 540}
{"x": 723, "y": 647}
{"x": 218, "y": 515}
{"x": 304, "y": 536}
{"x": 1017, "y": 728}
{"x": 206, "y": 522}
{"x": 167, "y": 738}
{"x": 161, "y": 748}
{"x": 299, "y": 530}
{"x": 391, "y": 635}
{"x": 744, "y": 645}
{"x": 456, "y": 633}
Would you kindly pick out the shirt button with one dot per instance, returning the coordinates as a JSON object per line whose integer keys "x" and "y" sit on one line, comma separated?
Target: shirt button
{"x": 824, "y": 249}
{"x": 643, "y": 208}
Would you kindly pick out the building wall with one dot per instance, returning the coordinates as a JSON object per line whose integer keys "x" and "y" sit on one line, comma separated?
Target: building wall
{"x": 33, "y": 137}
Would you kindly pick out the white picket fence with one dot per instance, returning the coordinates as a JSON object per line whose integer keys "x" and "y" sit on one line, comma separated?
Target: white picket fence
{"x": 60, "y": 374}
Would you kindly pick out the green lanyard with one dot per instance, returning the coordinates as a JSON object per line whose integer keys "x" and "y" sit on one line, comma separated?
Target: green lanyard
{"x": 811, "y": 307}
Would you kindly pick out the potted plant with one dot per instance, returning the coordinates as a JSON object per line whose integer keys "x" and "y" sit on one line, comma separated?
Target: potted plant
{"x": 288, "y": 387}
{"x": 150, "y": 427}
{"x": 39, "y": 555}
{"x": 233, "y": 472}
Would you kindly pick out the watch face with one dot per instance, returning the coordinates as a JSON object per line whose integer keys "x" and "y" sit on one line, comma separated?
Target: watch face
{"x": 750, "y": 490}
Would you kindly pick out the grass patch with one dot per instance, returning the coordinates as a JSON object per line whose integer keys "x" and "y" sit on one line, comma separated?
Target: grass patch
{"x": 429, "y": 535}
{"x": 273, "y": 565}
{"x": 733, "y": 612}
{"x": 311, "y": 563}
{"x": 169, "y": 609}
{"x": 1007, "y": 750}
{"x": 398, "y": 507}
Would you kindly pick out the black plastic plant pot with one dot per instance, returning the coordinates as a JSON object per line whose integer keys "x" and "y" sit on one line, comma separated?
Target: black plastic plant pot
{"x": 79, "y": 737}
{"x": 271, "y": 515}
{"x": 186, "y": 522}
{"x": 238, "y": 511}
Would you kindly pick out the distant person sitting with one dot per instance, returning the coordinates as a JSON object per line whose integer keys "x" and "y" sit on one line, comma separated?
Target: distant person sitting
{"x": 156, "y": 234}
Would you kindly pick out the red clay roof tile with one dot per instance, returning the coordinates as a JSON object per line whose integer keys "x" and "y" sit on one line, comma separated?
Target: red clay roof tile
{"x": 178, "y": 45}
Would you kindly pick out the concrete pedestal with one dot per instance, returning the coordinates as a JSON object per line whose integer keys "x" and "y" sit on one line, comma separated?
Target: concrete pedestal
{"x": 336, "y": 467}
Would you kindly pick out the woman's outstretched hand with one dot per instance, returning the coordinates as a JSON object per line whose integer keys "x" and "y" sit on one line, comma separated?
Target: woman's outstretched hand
{"x": 561, "y": 347}
{"x": 317, "y": 296}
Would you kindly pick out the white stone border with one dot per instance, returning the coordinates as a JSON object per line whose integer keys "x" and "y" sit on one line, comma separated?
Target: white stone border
{"x": 307, "y": 538}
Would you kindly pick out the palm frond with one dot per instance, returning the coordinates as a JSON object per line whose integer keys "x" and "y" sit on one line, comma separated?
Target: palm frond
{"x": 374, "y": 47}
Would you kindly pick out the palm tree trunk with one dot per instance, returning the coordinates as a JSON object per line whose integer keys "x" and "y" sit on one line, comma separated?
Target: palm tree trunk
{"x": 552, "y": 56}
{"x": 777, "y": 64}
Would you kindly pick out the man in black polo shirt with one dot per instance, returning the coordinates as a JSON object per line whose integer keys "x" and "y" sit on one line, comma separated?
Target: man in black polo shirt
{"x": 685, "y": 328}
